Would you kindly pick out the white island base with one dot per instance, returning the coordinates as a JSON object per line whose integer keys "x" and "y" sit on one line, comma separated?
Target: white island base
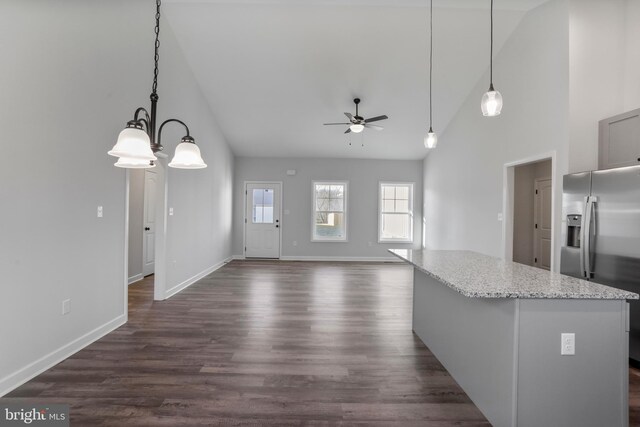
{"x": 505, "y": 351}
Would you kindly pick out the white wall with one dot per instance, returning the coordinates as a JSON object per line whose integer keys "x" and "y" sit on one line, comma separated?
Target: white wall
{"x": 464, "y": 175}
{"x": 75, "y": 72}
{"x": 597, "y": 57}
{"x": 362, "y": 199}
{"x": 631, "y": 90}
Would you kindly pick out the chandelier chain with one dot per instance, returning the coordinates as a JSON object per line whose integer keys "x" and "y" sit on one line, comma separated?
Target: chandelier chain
{"x": 157, "y": 47}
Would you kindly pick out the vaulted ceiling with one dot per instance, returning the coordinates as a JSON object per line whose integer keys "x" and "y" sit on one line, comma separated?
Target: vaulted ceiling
{"x": 274, "y": 71}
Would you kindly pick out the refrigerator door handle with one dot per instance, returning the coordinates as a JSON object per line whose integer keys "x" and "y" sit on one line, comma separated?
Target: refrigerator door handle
{"x": 590, "y": 231}
{"x": 583, "y": 240}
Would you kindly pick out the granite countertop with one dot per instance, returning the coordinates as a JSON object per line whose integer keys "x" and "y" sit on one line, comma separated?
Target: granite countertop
{"x": 481, "y": 276}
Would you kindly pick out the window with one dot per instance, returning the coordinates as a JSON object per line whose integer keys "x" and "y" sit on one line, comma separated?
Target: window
{"x": 395, "y": 219}
{"x": 329, "y": 212}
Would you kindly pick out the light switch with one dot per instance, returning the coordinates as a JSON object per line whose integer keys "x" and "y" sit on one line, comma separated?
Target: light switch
{"x": 99, "y": 211}
{"x": 170, "y": 211}
{"x": 66, "y": 306}
{"x": 499, "y": 216}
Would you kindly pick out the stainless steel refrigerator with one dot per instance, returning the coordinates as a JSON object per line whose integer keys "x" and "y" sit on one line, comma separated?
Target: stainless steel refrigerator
{"x": 601, "y": 234}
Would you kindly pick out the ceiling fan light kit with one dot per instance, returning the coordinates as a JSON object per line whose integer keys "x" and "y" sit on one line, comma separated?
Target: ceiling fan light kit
{"x": 491, "y": 103}
{"x": 136, "y": 145}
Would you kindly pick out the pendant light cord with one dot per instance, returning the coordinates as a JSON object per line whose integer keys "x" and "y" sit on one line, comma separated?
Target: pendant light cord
{"x": 431, "y": 65}
{"x": 156, "y": 57}
{"x": 491, "y": 52}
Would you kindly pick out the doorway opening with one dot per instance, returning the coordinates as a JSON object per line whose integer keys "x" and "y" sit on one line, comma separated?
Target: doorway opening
{"x": 529, "y": 212}
{"x": 262, "y": 225}
{"x": 146, "y": 198}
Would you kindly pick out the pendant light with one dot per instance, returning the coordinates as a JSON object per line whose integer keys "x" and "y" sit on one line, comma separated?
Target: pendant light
{"x": 431, "y": 140}
{"x": 492, "y": 100}
{"x": 136, "y": 145}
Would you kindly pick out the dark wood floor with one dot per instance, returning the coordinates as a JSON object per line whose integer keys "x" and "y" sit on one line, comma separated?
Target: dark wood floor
{"x": 266, "y": 344}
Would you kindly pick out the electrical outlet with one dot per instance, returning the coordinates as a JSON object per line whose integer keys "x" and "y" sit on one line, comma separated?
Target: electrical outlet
{"x": 568, "y": 344}
{"x": 99, "y": 211}
{"x": 66, "y": 306}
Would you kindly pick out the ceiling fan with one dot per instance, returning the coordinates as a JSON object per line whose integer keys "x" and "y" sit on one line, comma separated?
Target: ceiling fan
{"x": 357, "y": 123}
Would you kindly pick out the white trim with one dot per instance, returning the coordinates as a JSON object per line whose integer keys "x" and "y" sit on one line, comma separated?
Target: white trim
{"x": 162, "y": 225}
{"x": 314, "y": 239}
{"x": 12, "y": 381}
{"x": 507, "y": 203}
{"x": 193, "y": 279}
{"x": 340, "y": 258}
{"x": 125, "y": 270}
{"x": 411, "y": 213}
{"x": 136, "y": 278}
{"x": 234, "y": 257}
{"x": 244, "y": 214}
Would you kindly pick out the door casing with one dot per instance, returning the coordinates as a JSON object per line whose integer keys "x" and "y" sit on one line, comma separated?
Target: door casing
{"x": 244, "y": 213}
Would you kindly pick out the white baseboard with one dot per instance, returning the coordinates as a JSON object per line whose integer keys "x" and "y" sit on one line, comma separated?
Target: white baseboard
{"x": 238, "y": 257}
{"x": 193, "y": 279}
{"x": 339, "y": 258}
{"x": 15, "y": 380}
{"x": 136, "y": 278}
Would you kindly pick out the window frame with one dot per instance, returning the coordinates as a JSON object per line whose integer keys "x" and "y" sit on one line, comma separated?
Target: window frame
{"x": 314, "y": 238}
{"x": 411, "y": 213}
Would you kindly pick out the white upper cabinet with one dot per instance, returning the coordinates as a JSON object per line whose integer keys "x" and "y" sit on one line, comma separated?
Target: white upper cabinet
{"x": 619, "y": 141}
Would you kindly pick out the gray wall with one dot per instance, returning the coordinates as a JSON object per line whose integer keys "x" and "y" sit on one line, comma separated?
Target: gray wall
{"x": 523, "y": 208}
{"x": 136, "y": 220}
{"x": 363, "y": 177}
{"x": 77, "y": 72}
{"x": 464, "y": 174}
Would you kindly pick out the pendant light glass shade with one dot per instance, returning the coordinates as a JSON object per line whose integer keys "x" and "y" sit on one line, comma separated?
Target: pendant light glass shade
{"x": 491, "y": 103}
{"x": 131, "y": 163}
{"x": 133, "y": 143}
{"x": 356, "y": 128}
{"x": 187, "y": 156}
{"x": 431, "y": 140}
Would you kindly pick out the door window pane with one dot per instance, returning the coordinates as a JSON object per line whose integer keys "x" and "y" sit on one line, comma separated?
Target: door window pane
{"x": 262, "y": 206}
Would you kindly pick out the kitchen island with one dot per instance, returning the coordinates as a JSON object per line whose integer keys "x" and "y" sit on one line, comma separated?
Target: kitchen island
{"x": 497, "y": 326}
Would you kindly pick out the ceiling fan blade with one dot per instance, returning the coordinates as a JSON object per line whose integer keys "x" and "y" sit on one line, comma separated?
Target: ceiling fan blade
{"x": 348, "y": 130}
{"x": 349, "y": 116}
{"x": 376, "y": 127}
{"x": 328, "y": 124}
{"x": 375, "y": 119}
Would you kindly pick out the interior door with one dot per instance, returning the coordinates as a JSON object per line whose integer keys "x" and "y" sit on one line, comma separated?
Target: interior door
{"x": 542, "y": 223}
{"x": 262, "y": 220}
{"x": 149, "y": 221}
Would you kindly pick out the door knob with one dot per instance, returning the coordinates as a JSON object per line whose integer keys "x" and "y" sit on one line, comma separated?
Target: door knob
{"x": 147, "y": 229}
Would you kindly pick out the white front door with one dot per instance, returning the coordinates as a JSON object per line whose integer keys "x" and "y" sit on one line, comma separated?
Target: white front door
{"x": 262, "y": 220}
{"x": 542, "y": 223}
{"x": 149, "y": 221}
